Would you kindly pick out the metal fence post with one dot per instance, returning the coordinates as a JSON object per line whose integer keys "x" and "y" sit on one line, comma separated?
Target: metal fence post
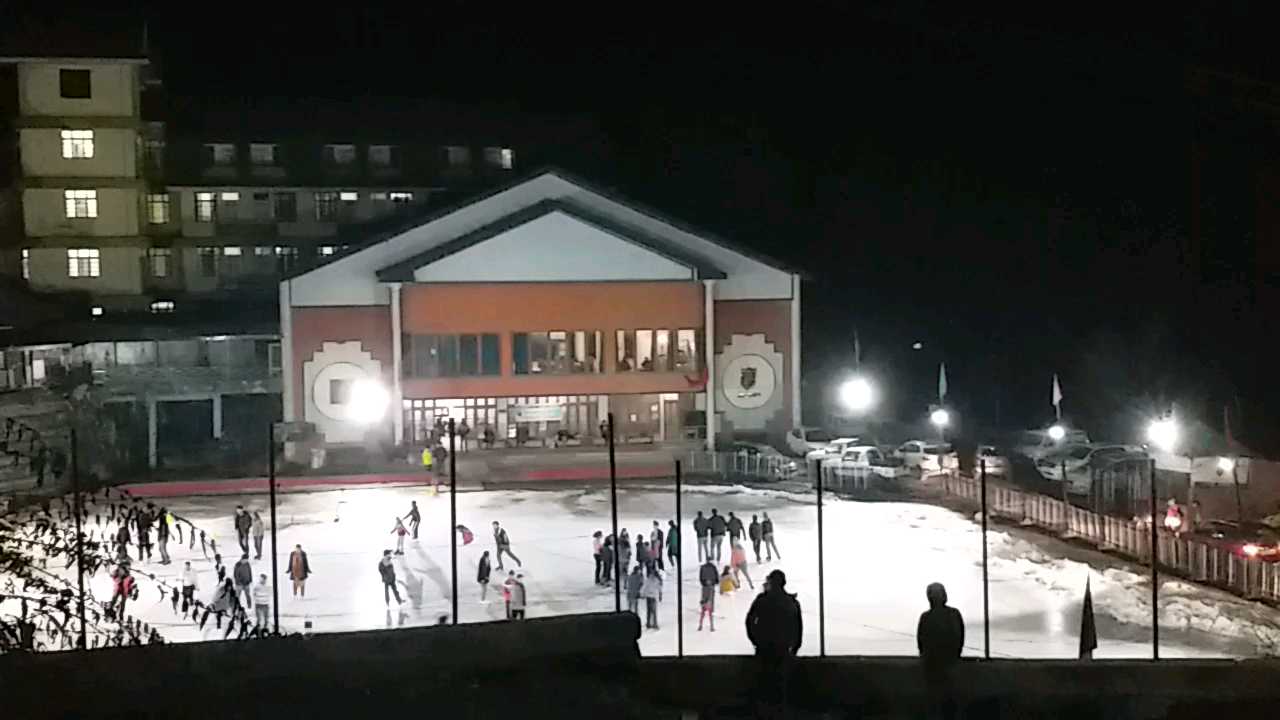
{"x": 822, "y": 596}
{"x": 613, "y": 500}
{"x": 1155, "y": 572}
{"x": 78, "y": 508}
{"x": 679, "y": 572}
{"x": 275, "y": 569}
{"x": 986, "y": 599}
{"x": 453, "y": 514}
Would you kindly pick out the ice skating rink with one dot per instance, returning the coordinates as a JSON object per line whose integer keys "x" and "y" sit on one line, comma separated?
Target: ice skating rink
{"x": 878, "y": 559}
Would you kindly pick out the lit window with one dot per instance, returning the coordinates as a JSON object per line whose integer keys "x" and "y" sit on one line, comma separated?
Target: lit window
{"x": 326, "y": 205}
{"x": 75, "y": 84}
{"x": 231, "y": 251}
{"x": 162, "y": 306}
{"x": 378, "y": 197}
{"x": 401, "y": 197}
{"x": 206, "y": 204}
{"x": 158, "y": 208}
{"x": 262, "y": 251}
{"x": 500, "y": 157}
{"x": 457, "y": 155}
{"x": 26, "y": 263}
{"x": 382, "y": 155}
{"x": 81, "y": 203}
{"x": 84, "y": 262}
{"x": 96, "y": 311}
{"x": 349, "y": 196}
{"x": 262, "y": 153}
{"x": 340, "y": 154}
{"x": 77, "y": 143}
{"x": 230, "y": 197}
{"x": 220, "y": 153}
{"x": 328, "y": 249}
{"x": 159, "y": 260}
{"x": 286, "y": 256}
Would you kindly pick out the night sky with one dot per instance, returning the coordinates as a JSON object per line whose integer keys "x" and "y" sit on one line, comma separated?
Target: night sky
{"x": 1014, "y": 193}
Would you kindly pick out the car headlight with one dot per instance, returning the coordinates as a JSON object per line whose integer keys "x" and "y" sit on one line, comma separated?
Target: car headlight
{"x": 1250, "y": 549}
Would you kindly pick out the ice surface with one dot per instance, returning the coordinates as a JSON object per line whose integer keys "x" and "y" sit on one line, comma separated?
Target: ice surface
{"x": 878, "y": 559}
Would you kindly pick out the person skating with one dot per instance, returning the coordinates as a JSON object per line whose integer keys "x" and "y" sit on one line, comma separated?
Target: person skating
{"x": 190, "y": 583}
{"x": 243, "y": 575}
{"x": 162, "y": 536}
{"x": 624, "y": 551}
{"x": 506, "y": 591}
{"x": 387, "y": 569}
{"x": 735, "y": 527}
{"x": 519, "y": 598}
{"x": 597, "y": 547}
{"x": 400, "y": 531}
{"x": 940, "y": 638}
{"x": 243, "y": 523}
{"x": 122, "y": 542}
{"x": 414, "y": 517}
{"x": 652, "y": 593}
{"x": 707, "y": 578}
{"x": 123, "y": 586}
{"x": 775, "y": 628}
{"x": 655, "y": 545}
{"x": 262, "y": 603}
{"x": 642, "y": 553}
{"x": 738, "y": 558}
{"x": 224, "y": 597}
{"x": 756, "y": 535}
{"x": 219, "y": 568}
{"x": 673, "y": 543}
{"x": 727, "y": 583}
{"x": 503, "y": 543}
{"x": 766, "y": 531}
{"x": 298, "y": 570}
{"x": 717, "y": 525}
{"x": 635, "y": 582}
{"x": 259, "y": 530}
{"x": 482, "y": 575}
{"x": 700, "y": 529}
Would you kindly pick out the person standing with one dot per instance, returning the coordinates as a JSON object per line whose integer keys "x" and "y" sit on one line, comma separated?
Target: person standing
{"x": 144, "y": 535}
{"x": 717, "y": 525}
{"x": 482, "y": 575}
{"x": 259, "y": 530}
{"x": 162, "y": 536}
{"x": 673, "y": 543}
{"x": 503, "y": 543}
{"x": 655, "y": 545}
{"x": 775, "y": 628}
{"x": 262, "y": 603}
{"x": 738, "y": 558}
{"x": 707, "y": 578}
{"x": 766, "y": 531}
{"x": 414, "y": 517}
{"x": 122, "y": 542}
{"x": 299, "y": 570}
{"x": 189, "y": 584}
{"x": 642, "y": 552}
{"x": 400, "y": 532}
{"x": 607, "y": 551}
{"x": 219, "y": 568}
{"x": 624, "y": 551}
{"x": 519, "y": 598}
{"x": 597, "y": 547}
{"x": 940, "y": 638}
{"x": 243, "y": 524}
{"x": 700, "y": 533}
{"x": 388, "y": 572}
{"x": 243, "y": 575}
{"x": 635, "y": 583}
{"x": 506, "y": 590}
{"x": 651, "y": 590}
{"x": 735, "y": 528}
{"x": 754, "y": 532}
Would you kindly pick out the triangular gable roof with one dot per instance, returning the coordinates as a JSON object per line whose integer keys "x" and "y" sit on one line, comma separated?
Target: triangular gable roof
{"x": 403, "y": 271}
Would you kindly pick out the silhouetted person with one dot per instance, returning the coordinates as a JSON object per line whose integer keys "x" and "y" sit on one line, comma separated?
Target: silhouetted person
{"x": 939, "y": 637}
{"x": 776, "y": 629}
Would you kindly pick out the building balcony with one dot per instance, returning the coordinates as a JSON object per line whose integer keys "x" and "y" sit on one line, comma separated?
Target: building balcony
{"x": 168, "y": 380}
{"x": 267, "y": 229}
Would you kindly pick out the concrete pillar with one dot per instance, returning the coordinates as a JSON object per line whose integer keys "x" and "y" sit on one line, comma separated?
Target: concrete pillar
{"x": 709, "y": 353}
{"x": 217, "y": 416}
{"x": 795, "y": 352}
{"x": 152, "y": 433}
{"x": 397, "y": 369}
{"x": 286, "y": 351}
{"x": 662, "y": 419}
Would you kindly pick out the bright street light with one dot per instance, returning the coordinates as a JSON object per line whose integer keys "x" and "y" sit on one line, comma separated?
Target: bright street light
{"x": 940, "y": 417}
{"x": 1226, "y": 464}
{"x": 857, "y": 394}
{"x": 1057, "y": 432}
{"x": 369, "y": 400}
{"x": 1163, "y": 433}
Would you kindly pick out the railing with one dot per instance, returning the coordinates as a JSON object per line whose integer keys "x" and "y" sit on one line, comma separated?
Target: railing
{"x": 730, "y": 465}
{"x": 1192, "y": 558}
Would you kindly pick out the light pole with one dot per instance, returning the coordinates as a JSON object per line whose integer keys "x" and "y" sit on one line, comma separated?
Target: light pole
{"x": 1163, "y": 433}
{"x": 858, "y": 394}
{"x": 940, "y": 419}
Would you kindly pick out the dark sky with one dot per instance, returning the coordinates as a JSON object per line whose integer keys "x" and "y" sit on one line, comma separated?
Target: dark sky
{"x": 1012, "y": 192}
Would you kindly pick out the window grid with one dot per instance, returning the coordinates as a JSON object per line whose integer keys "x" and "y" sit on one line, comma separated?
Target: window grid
{"x": 77, "y": 144}
{"x": 84, "y": 262}
{"x": 158, "y": 261}
{"x": 26, "y": 263}
{"x": 206, "y": 206}
{"x": 81, "y": 203}
{"x": 158, "y": 208}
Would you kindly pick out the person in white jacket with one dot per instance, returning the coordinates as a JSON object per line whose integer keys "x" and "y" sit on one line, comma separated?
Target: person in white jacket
{"x": 262, "y": 604}
{"x": 189, "y": 584}
{"x": 651, "y": 591}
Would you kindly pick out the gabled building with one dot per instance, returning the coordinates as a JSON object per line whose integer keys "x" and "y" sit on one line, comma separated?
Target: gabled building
{"x": 533, "y": 312}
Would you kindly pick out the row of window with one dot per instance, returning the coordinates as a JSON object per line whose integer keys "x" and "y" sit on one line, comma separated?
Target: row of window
{"x": 330, "y": 205}
{"x": 347, "y": 154}
{"x": 554, "y": 352}
{"x": 87, "y": 262}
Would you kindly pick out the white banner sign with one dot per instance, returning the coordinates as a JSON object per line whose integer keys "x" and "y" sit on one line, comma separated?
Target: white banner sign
{"x": 536, "y": 413}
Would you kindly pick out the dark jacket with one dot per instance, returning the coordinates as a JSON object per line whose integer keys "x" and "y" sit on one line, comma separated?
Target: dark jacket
{"x": 735, "y": 527}
{"x": 387, "y": 570}
{"x": 244, "y": 521}
{"x": 162, "y": 529}
{"x": 635, "y": 581}
{"x": 940, "y": 636}
{"x": 766, "y": 527}
{"x": 482, "y": 570}
{"x": 673, "y": 539}
{"x": 700, "y": 527}
{"x": 500, "y": 538}
{"x": 306, "y": 565}
{"x": 717, "y": 524}
{"x": 753, "y": 531}
{"x": 774, "y": 625}
{"x": 243, "y": 573}
{"x": 708, "y": 575}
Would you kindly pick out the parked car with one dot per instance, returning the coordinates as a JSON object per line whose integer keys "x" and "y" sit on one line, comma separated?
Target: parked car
{"x": 834, "y": 449}
{"x": 1248, "y": 540}
{"x": 803, "y": 440}
{"x": 1081, "y": 460}
{"x": 871, "y": 459}
{"x": 1036, "y": 444}
{"x": 768, "y": 457}
{"x": 926, "y": 457}
{"x": 996, "y": 463}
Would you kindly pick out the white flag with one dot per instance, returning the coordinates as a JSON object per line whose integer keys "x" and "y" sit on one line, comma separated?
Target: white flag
{"x": 1057, "y": 396}
{"x": 942, "y": 382}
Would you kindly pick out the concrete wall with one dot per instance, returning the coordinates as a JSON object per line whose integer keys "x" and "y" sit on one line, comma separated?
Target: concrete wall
{"x": 121, "y": 270}
{"x": 114, "y": 90}
{"x": 44, "y": 213}
{"x": 313, "y": 327}
{"x": 772, "y": 318}
{"x": 115, "y": 154}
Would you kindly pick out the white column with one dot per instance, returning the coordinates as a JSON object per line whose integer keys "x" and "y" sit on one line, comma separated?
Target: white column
{"x": 152, "y": 432}
{"x": 286, "y": 350}
{"x": 397, "y": 371}
{"x": 217, "y": 416}
{"x": 795, "y": 351}
{"x": 709, "y": 351}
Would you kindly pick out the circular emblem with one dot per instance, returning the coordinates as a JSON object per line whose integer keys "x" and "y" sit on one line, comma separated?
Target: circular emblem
{"x": 332, "y": 389}
{"x": 748, "y": 381}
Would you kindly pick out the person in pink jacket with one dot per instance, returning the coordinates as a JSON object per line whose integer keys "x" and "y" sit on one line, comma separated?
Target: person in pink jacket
{"x": 738, "y": 558}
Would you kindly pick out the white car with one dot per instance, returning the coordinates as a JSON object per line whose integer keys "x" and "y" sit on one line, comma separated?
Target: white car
{"x": 871, "y": 459}
{"x": 988, "y": 455}
{"x": 926, "y": 457}
{"x": 834, "y": 449}
{"x": 803, "y": 440}
{"x": 1036, "y": 444}
{"x": 1079, "y": 461}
